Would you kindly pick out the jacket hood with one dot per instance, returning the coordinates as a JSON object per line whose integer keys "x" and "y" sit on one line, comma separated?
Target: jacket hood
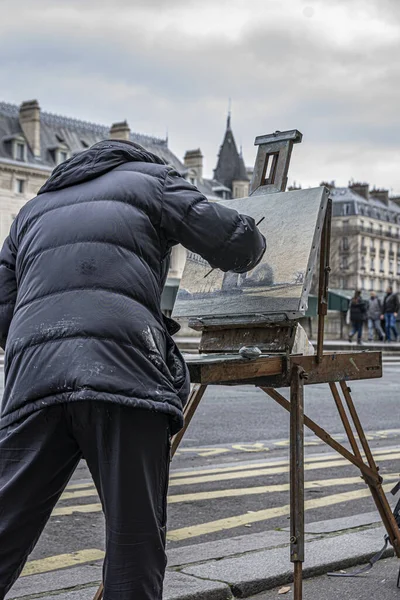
{"x": 97, "y": 160}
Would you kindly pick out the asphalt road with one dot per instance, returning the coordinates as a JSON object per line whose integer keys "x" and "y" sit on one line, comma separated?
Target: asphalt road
{"x": 230, "y": 475}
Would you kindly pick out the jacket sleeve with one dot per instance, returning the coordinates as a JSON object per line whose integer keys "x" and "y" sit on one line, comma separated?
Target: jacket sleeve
{"x": 226, "y": 239}
{"x": 8, "y": 285}
{"x": 396, "y": 303}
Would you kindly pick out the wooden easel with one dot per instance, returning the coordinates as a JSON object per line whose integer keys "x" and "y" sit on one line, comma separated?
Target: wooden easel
{"x": 219, "y": 363}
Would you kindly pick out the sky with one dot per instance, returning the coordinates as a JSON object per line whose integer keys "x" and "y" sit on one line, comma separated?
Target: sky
{"x": 329, "y": 68}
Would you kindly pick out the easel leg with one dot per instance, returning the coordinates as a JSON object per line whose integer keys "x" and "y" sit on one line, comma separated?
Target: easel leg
{"x": 297, "y": 479}
{"x": 375, "y": 486}
{"x": 194, "y": 400}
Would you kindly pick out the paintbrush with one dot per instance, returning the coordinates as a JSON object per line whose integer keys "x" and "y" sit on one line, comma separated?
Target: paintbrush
{"x": 209, "y": 272}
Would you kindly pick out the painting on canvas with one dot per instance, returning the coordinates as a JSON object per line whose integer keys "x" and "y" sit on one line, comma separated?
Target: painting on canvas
{"x": 281, "y": 282}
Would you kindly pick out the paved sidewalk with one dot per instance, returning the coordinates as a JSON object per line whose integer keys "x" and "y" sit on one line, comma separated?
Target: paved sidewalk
{"x": 243, "y": 566}
{"x": 378, "y": 584}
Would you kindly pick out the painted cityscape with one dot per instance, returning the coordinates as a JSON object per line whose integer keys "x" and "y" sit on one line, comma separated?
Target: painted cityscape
{"x": 280, "y": 283}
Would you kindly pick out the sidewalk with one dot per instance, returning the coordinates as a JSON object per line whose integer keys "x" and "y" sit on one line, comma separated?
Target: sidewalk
{"x": 244, "y": 566}
{"x": 191, "y": 344}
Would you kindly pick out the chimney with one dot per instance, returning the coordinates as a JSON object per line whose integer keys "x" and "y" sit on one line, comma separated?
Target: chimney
{"x": 328, "y": 184}
{"x": 29, "y": 119}
{"x": 120, "y": 131}
{"x": 194, "y": 160}
{"x": 360, "y": 188}
{"x": 381, "y": 194}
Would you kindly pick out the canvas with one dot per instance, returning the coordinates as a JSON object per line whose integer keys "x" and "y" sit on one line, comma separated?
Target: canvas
{"x": 280, "y": 284}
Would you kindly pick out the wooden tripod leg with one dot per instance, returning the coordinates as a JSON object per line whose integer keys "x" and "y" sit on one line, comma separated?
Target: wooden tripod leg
{"x": 99, "y": 593}
{"x": 194, "y": 400}
{"x": 375, "y": 486}
{"x": 297, "y": 479}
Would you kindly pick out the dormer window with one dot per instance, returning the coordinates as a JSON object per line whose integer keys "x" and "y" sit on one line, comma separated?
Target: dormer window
{"x": 60, "y": 153}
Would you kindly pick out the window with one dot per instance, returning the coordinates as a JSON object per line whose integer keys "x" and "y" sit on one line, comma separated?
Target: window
{"x": 347, "y": 209}
{"x": 372, "y": 244}
{"x": 345, "y": 243}
{"x": 363, "y": 262}
{"x": 381, "y": 265}
{"x": 344, "y": 263}
{"x": 20, "y": 186}
{"x": 371, "y": 227}
{"x": 380, "y": 229}
{"x": 381, "y": 286}
{"x": 20, "y": 151}
{"x": 391, "y": 266}
{"x": 398, "y": 267}
{"x": 363, "y": 283}
{"x": 372, "y": 265}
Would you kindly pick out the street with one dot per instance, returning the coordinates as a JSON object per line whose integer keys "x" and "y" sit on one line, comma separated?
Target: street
{"x": 230, "y": 475}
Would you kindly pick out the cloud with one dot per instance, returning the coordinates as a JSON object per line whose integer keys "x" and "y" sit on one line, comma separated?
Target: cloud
{"x": 326, "y": 67}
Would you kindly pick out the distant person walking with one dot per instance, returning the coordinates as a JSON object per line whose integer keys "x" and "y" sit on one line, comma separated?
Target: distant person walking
{"x": 390, "y": 309}
{"x": 358, "y": 314}
{"x": 374, "y": 315}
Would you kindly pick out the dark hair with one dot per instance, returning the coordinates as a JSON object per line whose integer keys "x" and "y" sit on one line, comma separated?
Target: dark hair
{"x": 357, "y": 294}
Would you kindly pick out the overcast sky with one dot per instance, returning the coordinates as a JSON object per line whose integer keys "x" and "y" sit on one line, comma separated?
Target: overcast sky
{"x": 329, "y": 68}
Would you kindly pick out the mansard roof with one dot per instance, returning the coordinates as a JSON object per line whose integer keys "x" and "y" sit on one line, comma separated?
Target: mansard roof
{"x": 76, "y": 135}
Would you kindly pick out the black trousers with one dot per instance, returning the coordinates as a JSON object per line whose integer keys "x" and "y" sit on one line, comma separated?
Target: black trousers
{"x": 127, "y": 452}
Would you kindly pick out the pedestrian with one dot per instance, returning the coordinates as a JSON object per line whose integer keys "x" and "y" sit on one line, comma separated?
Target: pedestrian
{"x": 358, "y": 313}
{"x": 390, "y": 310}
{"x": 374, "y": 315}
{"x": 91, "y": 369}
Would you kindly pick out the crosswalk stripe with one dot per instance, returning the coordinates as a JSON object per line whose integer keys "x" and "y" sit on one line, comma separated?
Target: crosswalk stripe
{"x": 257, "y": 465}
{"x": 83, "y": 493}
{"x": 193, "y": 531}
{"x": 78, "y": 508}
{"x": 229, "y": 493}
{"x": 78, "y": 486}
{"x": 61, "y": 561}
{"x": 269, "y": 471}
{"x": 269, "y": 489}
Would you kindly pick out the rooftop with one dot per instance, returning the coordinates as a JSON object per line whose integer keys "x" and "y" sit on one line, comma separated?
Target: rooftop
{"x": 75, "y": 134}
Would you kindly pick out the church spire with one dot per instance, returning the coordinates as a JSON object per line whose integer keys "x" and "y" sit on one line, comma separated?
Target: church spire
{"x": 228, "y": 120}
{"x": 230, "y": 165}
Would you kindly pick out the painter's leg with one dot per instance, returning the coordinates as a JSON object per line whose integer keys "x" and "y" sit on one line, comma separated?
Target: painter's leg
{"x": 37, "y": 458}
{"x": 127, "y": 451}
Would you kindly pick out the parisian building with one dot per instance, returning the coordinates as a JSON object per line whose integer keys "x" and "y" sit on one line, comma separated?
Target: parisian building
{"x": 365, "y": 245}
{"x": 34, "y": 142}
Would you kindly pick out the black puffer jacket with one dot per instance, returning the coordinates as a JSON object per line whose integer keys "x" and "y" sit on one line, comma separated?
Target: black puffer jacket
{"x": 81, "y": 276}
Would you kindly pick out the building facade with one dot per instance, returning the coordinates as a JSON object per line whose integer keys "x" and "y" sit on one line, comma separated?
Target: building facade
{"x": 365, "y": 245}
{"x": 34, "y": 142}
